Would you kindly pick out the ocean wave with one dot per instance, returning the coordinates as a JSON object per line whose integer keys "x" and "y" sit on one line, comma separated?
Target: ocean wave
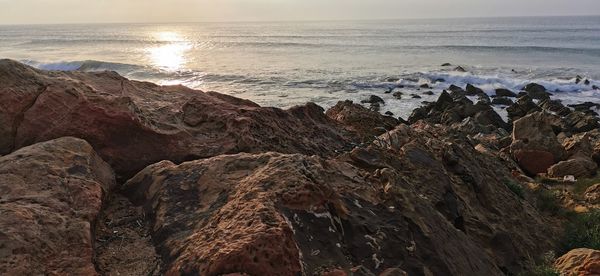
{"x": 86, "y": 65}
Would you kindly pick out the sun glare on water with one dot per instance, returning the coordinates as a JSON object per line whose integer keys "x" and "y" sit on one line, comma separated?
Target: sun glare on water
{"x": 171, "y": 54}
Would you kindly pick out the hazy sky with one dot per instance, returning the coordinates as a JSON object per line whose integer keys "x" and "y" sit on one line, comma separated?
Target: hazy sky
{"x": 87, "y": 11}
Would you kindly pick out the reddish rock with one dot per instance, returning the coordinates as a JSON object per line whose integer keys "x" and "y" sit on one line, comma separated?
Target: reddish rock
{"x": 133, "y": 124}
{"x": 367, "y": 123}
{"x": 50, "y": 196}
{"x": 535, "y": 145}
{"x": 581, "y": 262}
{"x": 534, "y": 162}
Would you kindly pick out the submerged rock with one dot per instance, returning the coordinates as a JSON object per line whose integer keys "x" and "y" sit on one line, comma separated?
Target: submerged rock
{"x": 51, "y": 195}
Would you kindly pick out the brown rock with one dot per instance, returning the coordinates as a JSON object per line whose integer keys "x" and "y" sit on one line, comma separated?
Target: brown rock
{"x": 534, "y": 135}
{"x": 582, "y": 261}
{"x": 133, "y": 124}
{"x": 592, "y": 194}
{"x": 534, "y": 162}
{"x": 578, "y": 167}
{"x": 51, "y": 194}
{"x": 366, "y": 123}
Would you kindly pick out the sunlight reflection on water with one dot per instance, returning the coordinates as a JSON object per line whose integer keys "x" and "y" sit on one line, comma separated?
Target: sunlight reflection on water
{"x": 172, "y": 55}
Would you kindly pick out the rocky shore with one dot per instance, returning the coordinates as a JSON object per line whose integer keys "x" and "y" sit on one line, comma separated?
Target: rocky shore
{"x": 103, "y": 175}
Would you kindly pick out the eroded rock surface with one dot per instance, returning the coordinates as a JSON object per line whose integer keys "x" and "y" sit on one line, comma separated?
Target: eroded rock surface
{"x": 50, "y": 196}
{"x": 134, "y": 124}
{"x": 581, "y": 262}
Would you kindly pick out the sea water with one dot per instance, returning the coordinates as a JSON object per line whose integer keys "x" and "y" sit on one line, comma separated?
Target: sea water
{"x": 288, "y": 63}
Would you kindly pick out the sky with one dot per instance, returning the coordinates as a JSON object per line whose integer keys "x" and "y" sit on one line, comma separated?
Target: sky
{"x": 113, "y": 11}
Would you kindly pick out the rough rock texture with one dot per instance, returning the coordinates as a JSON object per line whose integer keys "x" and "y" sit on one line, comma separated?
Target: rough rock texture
{"x": 523, "y": 106}
{"x": 133, "y": 124}
{"x": 534, "y": 139}
{"x": 366, "y": 123}
{"x": 50, "y": 196}
{"x": 580, "y": 262}
{"x": 592, "y": 194}
{"x": 450, "y": 109}
{"x": 410, "y": 201}
{"x": 578, "y": 167}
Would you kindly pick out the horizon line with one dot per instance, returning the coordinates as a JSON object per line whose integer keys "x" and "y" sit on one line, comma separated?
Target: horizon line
{"x": 298, "y": 20}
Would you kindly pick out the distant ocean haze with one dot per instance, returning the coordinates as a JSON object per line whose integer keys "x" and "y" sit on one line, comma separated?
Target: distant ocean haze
{"x": 288, "y": 63}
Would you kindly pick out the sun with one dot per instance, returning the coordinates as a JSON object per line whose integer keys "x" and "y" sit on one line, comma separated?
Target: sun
{"x": 170, "y": 55}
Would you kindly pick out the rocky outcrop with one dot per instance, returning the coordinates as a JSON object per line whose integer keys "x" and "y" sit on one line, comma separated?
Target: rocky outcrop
{"x": 451, "y": 109}
{"x": 523, "y": 106}
{"x": 133, "y": 124}
{"x": 535, "y": 145}
{"x": 592, "y": 194}
{"x": 582, "y": 261}
{"x": 536, "y": 91}
{"x": 366, "y": 123}
{"x": 51, "y": 194}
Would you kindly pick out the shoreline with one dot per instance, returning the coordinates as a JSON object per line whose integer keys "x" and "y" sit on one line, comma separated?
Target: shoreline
{"x": 167, "y": 179}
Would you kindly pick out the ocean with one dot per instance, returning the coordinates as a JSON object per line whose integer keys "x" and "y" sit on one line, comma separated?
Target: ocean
{"x": 288, "y": 63}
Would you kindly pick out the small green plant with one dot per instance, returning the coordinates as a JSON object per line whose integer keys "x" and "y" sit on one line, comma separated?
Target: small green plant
{"x": 548, "y": 202}
{"x": 515, "y": 188}
{"x": 582, "y": 184}
{"x": 582, "y": 231}
{"x": 545, "y": 268}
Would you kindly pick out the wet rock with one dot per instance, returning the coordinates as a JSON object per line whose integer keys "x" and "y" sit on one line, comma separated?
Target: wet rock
{"x": 578, "y": 79}
{"x": 398, "y": 95}
{"x": 594, "y": 87}
{"x": 473, "y": 91}
{"x": 439, "y": 80}
{"x": 583, "y": 107}
{"x": 446, "y": 64}
{"x": 456, "y": 89}
{"x": 502, "y": 101}
{"x": 555, "y": 106}
{"x": 503, "y": 92}
{"x": 392, "y": 79}
{"x": 586, "y": 82}
{"x": 389, "y": 113}
{"x": 415, "y": 96}
{"x": 133, "y": 124}
{"x": 534, "y": 137}
{"x": 373, "y": 99}
{"x": 484, "y": 98}
{"x": 536, "y": 91}
{"x": 356, "y": 118}
{"x": 579, "y": 122}
{"x": 460, "y": 69}
{"x": 581, "y": 261}
{"x": 425, "y": 85}
{"x": 429, "y": 93}
{"x": 51, "y": 195}
{"x": 523, "y": 106}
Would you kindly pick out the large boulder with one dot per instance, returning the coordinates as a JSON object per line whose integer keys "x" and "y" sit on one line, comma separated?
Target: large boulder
{"x": 536, "y": 91}
{"x": 534, "y": 138}
{"x": 578, "y": 167}
{"x": 133, "y": 124}
{"x": 581, "y": 261}
{"x": 50, "y": 196}
{"x": 366, "y": 123}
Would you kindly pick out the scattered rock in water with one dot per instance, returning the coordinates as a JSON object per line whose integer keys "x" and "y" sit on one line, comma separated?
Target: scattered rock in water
{"x": 389, "y": 90}
{"x": 503, "y": 92}
{"x": 536, "y": 91}
{"x": 373, "y": 99}
{"x": 594, "y": 87}
{"x": 473, "y": 91}
{"x": 389, "y": 113}
{"x": 398, "y": 95}
{"x": 455, "y": 89}
{"x": 586, "y": 82}
{"x": 425, "y": 85}
{"x": 393, "y": 79}
{"x": 460, "y": 69}
{"x": 415, "y": 96}
{"x": 584, "y": 107}
{"x": 446, "y": 64}
{"x": 439, "y": 80}
{"x": 429, "y": 93}
{"x": 502, "y": 101}
{"x": 578, "y": 79}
